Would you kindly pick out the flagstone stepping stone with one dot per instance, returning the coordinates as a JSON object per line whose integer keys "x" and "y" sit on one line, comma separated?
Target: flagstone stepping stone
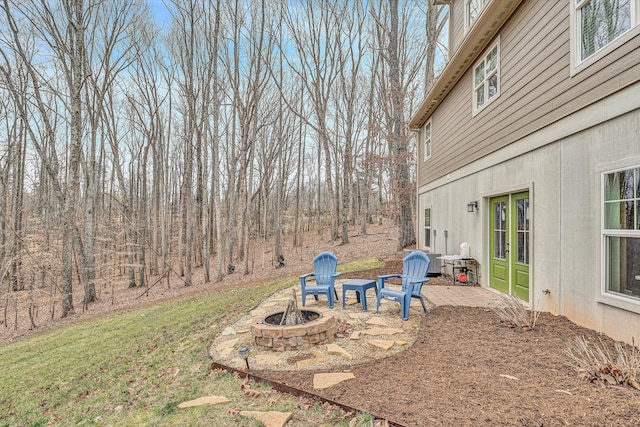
{"x": 317, "y": 358}
{"x": 336, "y": 349}
{"x": 322, "y": 381}
{"x": 228, "y": 332}
{"x": 225, "y": 352}
{"x": 206, "y": 400}
{"x": 227, "y": 344}
{"x": 351, "y": 301}
{"x": 355, "y": 335}
{"x": 382, "y": 344}
{"x": 238, "y": 363}
{"x": 382, "y": 331}
{"x": 401, "y": 343}
{"x": 243, "y": 331}
{"x": 269, "y": 418}
{"x": 376, "y": 321}
{"x": 358, "y": 316}
{"x": 267, "y": 359}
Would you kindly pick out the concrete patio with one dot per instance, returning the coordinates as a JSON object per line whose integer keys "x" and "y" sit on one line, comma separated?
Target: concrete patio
{"x": 471, "y": 296}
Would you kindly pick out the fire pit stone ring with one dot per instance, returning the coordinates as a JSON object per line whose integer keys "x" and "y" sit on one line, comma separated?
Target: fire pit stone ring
{"x": 271, "y": 337}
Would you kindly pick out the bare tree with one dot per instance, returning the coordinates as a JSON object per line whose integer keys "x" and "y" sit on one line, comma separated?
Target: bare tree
{"x": 437, "y": 18}
{"x": 313, "y": 28}
{"x": 351, "y": 52}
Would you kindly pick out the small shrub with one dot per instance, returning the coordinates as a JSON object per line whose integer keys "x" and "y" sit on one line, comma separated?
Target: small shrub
{"x": 595, "y": 362}
{"x": 512, "y": 311}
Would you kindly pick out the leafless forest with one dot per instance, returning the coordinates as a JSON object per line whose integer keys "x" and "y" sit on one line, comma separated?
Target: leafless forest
{"x": 139, "y": 148}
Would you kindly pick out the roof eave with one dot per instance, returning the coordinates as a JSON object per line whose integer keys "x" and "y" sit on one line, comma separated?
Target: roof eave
{"x": 488, "y": 24}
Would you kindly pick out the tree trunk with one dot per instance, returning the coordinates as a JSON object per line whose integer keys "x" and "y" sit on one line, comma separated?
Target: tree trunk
{"x": 398, "y": 140}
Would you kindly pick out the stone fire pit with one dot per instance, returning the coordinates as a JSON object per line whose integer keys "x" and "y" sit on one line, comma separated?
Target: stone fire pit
{"x": 319, "y": 328}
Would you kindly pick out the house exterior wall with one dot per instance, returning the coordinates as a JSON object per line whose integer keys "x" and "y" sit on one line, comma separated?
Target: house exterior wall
{"x": 456, "y": 25}
{"x": 561, "y": 166}
{"x": 536, "y": 87}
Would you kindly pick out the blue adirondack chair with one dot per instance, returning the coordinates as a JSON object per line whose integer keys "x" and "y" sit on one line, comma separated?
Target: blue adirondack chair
{"x": 414, "y": 274}
{"x": 324, "y": 271}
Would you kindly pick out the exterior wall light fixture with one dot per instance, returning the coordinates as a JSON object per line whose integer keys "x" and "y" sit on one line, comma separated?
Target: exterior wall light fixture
{"x": 472, "y": 205}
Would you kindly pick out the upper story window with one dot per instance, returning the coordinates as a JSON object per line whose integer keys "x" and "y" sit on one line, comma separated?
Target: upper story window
{"x": 472, "y": 9}
{"x": 486, "y": 78}
{"x": 600, "y": 25}
{"x": 621, "y": 233}
{"x": 426, "y": 137}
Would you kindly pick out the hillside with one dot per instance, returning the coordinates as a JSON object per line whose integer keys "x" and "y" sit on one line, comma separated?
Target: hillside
{"x": 380, "y": 241}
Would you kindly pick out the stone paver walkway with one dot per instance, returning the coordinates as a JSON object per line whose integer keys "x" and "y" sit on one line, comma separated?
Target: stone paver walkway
{"x": 471, "y": 296}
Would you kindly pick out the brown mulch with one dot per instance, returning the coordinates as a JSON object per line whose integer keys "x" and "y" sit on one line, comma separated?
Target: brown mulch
{"x": 466, "y": 369}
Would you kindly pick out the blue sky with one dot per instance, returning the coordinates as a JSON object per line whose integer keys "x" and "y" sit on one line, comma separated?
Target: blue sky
{"x": 160, "y": 12}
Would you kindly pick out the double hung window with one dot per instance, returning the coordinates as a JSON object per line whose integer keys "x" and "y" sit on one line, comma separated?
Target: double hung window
{"x": 621, "y": 232}
{"x": 486, "y": 78}
{"x": 426, "y": 137}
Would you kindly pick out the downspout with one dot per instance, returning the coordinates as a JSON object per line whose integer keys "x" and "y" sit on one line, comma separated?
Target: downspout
{"x": 418, "y": 234}
{"x": 560, "y": 233}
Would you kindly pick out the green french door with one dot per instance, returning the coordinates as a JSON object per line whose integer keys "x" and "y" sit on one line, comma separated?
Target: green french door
{"x": 509, "y": 244}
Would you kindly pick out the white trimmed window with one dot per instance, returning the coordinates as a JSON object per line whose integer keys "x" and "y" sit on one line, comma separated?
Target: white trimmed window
{"x": 427, "y": 228}
{"x": 486, "y": 78}
{"x": 472, "y": 9}
{"x": 599, "y": 26}
{"x": 621, "y": 233}
{"x": 426, "y": 138}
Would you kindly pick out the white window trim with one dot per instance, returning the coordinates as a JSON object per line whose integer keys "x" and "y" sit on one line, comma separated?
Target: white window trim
{"x": 424, "y": 227}
{"x": 423, "y": 139}
{"x": 606, "y": 297}
{"x": 577, "y": 63}
{"x": 475, "y": 109}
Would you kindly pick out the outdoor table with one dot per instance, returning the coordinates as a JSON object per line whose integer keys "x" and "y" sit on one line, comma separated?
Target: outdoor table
{"x": 360, "y": 286}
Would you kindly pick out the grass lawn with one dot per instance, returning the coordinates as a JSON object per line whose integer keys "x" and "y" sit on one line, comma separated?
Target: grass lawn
{"x": 134, "y": 368}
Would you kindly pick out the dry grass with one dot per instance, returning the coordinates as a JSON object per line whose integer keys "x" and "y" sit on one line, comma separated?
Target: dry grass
{"x": 596, "y": 362}
{"x": 512, "y": 311}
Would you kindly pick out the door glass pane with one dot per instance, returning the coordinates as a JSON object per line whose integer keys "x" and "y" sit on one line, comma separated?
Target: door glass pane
{"x": 499, "y": 230}
{"x": 522, "y": 231}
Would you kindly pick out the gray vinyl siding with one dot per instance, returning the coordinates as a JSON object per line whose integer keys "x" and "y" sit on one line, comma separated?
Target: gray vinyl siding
{"x": 536, "y": 88}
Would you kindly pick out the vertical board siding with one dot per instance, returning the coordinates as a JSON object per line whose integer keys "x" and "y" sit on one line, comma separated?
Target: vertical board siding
{"x": 536, "y": 88}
